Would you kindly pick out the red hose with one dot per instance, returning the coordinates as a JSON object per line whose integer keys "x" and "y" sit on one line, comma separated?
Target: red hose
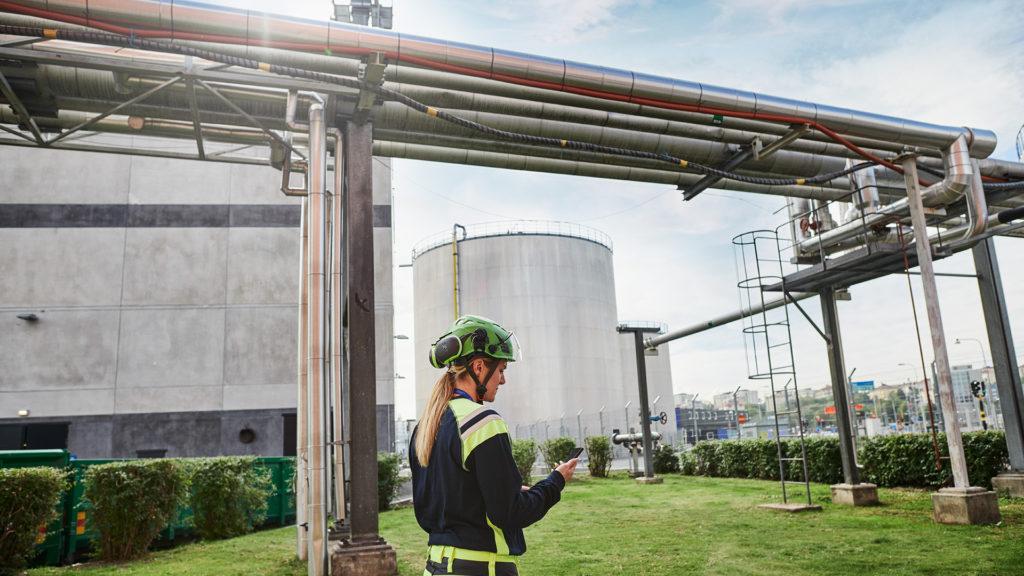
{"x": 315, "y": 48}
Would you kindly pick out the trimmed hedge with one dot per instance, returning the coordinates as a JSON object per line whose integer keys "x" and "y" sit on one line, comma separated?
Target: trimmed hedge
{"x": 228, "y": 495}
{"x": 388, "y": 480}
{"x": 28, "y": 500}
{"x": 896, "y": 460}
{"x": 599, "y": 456}
{"x": 909, "y": 459}
{"x": 132, "y": 502}
{"x": 524, "y": 452}
{"x": 557, "y": 450}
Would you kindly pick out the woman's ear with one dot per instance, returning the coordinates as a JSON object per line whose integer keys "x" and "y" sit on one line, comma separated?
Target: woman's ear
{"x": 479, "y": 367}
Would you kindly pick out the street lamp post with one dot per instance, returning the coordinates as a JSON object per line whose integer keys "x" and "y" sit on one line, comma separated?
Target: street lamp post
{"x": 693, "y": 416}
{"x": 736, "y": 413}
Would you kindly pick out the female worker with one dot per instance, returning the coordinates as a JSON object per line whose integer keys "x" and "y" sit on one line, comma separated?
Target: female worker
{"x": 467, "y": 491}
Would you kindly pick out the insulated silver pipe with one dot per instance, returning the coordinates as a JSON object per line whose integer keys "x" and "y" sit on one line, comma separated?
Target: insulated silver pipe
{"x": 198, "y": 21}
{"x": 316, "y": 514}
{"x": 652, "y": 343}
{"x": 338, "y": 368}
{"x": 96, "y": 90}
{"x": 958, "y": 178}
{"x": 302, "y": 400}
{"x": 557, "y": 166}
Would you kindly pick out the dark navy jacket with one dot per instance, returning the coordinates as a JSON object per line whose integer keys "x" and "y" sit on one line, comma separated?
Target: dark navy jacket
{"x": 469, "y": 495}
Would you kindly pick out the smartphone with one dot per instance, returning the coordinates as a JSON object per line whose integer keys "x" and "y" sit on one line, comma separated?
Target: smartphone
{"x": 575, "y": 453}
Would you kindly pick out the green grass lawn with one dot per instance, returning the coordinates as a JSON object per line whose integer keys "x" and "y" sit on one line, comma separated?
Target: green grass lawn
{"x": 695, "y": 525}
{"x": 266, "y": 553}
{"x": 688, "y": 525}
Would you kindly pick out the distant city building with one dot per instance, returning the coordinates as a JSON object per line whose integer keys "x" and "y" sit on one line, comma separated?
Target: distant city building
{"x": 744, "y": 398}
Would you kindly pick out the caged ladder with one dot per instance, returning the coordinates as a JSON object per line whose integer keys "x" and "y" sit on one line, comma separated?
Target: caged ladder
{"x": 768, "y": 343}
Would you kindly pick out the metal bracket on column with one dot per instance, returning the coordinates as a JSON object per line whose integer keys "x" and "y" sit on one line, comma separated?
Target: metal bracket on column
{"x": 809, "y": 319}
{"x": 755, "y": 151}
{"x": 372, "y": 75}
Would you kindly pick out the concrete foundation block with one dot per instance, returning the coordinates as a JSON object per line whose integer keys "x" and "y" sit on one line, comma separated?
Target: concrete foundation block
{"x": 1009, "y": 484}
{"x": 862, "y": 494}
{"x": 970, "y": 505}
{"x": 649, "y": 480}
{"x": 376, "y": 558}
{"x": 791, "y": 507}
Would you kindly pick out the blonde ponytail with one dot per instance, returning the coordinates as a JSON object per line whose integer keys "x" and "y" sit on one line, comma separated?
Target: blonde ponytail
{"x": 430, "y": 421}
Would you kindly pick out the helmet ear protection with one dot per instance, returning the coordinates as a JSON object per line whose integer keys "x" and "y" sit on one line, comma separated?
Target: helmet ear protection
{"x": 445, "y": 350}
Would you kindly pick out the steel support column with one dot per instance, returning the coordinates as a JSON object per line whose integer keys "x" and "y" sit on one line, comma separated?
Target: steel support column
{"x": 1000, "y": 340}
{"x": 931, "y": 300}
{"x": 645, "y": 407}
{"x": 358, "y": 158}
{"x": 837, "y": 368}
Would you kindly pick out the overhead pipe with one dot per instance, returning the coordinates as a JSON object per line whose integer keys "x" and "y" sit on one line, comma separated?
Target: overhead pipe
{"x": 94, "y": 89}
{"x": 959, "y": 175}
{"x": 410, "y": 77}
{"x": 652, "y": 343}
{"x": 207, "y": 22}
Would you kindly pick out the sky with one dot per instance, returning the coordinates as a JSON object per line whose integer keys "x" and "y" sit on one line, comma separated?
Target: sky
{"x": 953, "y": 63}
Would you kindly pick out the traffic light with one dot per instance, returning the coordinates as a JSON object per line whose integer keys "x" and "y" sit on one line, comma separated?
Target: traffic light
{"x": 978, "y": 389}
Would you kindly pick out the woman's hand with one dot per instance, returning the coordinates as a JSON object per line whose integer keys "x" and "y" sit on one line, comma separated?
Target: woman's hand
{"x": 567, "y": 468}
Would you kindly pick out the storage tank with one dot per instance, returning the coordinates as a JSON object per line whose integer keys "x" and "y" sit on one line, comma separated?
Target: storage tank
{"x": 550, "y": 283}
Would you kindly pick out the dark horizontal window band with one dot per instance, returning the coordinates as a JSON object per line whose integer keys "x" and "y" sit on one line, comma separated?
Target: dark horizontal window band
{"x": 161, "y": 216}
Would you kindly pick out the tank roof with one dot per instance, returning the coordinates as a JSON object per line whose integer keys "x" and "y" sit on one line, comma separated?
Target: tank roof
{"x": 514, "y": 228}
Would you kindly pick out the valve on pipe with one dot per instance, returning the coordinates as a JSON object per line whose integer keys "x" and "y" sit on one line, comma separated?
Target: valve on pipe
{"x": 634, "y": 442}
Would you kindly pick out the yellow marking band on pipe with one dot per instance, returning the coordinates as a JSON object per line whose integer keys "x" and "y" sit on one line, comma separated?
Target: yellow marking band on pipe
{"x": 264, "y": 66}
{"x": 564, "y": 143}
{"x": 683, "y": 163}
{"x": 50, "y": 32}
{"x": 800, "y": 181}
{"x": 431, "y": 111}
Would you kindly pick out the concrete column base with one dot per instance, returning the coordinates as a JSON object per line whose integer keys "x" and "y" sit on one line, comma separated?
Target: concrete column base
{"x": 1009, "y": 484}
{"x": 649, "y": 480}
{"x": 862, "y": 494}
{"x": 970, "y": 505}
{"x": 369, "y": 558}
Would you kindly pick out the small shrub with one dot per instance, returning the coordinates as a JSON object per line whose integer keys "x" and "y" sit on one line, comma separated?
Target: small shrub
{"x": 228, "y": 496}
{"x": 524, "y": 452}
{"x": 132, "y": 502}
{"x": 388, "y": 480}
{"x": 557, "y": 450}
{"x": 687, "y": 464}
{"x": 599, "y": 456}
{"x": 665, "y": 461}
{"x": 28, "y": 500}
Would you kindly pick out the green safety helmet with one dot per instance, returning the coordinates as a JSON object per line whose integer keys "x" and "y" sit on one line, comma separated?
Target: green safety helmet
{"x": 472, "y": 336}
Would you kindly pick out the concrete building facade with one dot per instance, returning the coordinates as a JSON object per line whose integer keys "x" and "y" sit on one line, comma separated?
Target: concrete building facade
{"x": 158, "y": 305}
